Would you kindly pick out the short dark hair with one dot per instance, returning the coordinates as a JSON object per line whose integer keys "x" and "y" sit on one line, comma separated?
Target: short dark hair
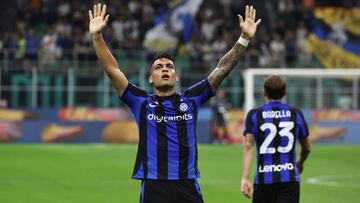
{"x": 275, "y": 87}
{"x": 159, "y": 56}
{"x": 162, "y": 55}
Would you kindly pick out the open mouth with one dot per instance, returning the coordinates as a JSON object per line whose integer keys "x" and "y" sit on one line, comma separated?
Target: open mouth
{"x": 165, "y": 77}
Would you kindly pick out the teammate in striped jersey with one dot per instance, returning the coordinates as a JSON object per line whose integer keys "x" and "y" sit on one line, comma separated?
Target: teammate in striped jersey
{"x": 167, "y": 153}
{"x": 274, "y": 127}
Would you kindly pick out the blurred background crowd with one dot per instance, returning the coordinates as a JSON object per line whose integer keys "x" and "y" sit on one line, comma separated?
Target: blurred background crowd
{"x": 58, "y": 29}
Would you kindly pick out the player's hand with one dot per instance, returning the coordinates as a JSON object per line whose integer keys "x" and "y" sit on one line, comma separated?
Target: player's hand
{"x": 97, "y": 18}
{"x": 248, "y": 27}
{"x": 300, "y": 167}
{"x": 246, "y": 188}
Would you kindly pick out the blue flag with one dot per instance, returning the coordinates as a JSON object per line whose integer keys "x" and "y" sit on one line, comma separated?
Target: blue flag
{"x": 178, "y": 20}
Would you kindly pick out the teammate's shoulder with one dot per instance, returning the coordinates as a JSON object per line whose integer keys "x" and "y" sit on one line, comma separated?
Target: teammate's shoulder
{"x": 297, "y": 112}
{"x": 254, "y": 110}
{"x": 295, "y": 109}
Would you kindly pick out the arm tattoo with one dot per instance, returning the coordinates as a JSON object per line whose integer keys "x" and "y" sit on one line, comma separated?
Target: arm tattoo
{"x": 226, "y": 64}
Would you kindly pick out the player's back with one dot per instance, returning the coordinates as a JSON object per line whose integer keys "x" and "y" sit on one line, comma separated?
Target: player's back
{"x": 276, "y": 127}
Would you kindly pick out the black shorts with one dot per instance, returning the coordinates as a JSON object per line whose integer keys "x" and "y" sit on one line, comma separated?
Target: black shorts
{"x": 170, "y": 191}
{"x": 277, "y": 193}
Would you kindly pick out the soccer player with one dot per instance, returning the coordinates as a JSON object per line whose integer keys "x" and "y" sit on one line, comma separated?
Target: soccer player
{"x": 274, "y": 127}
{"x": 167, "y": 155}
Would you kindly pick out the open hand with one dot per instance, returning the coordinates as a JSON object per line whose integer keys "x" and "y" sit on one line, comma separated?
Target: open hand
{"x": 97, "y": 18}
{"x": 248, "y": 27}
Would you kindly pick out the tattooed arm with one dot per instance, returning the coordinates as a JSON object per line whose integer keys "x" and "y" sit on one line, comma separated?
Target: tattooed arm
{"x": 229, "y": 61}
{"x": 226, "y": 65}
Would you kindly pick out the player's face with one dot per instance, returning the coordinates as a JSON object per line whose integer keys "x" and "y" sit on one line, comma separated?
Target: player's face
{"x": 163, "y": 73}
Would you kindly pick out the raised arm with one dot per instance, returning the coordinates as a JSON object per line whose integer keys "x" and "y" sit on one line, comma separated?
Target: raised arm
{"x": 98, "y": 21}
{"x": 229, "y": 61}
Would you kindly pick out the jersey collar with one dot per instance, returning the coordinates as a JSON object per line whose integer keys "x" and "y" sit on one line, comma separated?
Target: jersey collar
{"x": 172, "y": 97}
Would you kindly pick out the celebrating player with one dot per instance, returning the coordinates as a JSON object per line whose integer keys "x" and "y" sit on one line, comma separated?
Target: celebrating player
{"x": 167, "y": 152}
{"x": 274, "y": 127}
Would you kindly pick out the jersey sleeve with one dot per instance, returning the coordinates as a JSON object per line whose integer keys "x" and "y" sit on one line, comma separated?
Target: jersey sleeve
{"x": 201, "y": 92}
{"x": 133, "y": 97}
{"x": 250, "y": 123}
{"x": 303, "y": 127}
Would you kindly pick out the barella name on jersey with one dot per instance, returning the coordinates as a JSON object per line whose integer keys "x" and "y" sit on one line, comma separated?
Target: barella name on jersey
{"x": 159, "y": 119}
{"x": 276, "y": 168}
{"x": 276, "y": 114}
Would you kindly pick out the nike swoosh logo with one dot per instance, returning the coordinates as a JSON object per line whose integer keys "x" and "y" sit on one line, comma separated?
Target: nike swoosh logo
{"x": 153, "y": 105}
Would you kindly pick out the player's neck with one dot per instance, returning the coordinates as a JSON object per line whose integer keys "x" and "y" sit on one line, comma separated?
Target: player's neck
{"x": 273, "y": 100}
{"x": 164, "y": 92}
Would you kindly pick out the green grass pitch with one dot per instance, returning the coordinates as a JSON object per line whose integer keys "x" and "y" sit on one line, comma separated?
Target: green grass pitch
{"x": 101, "y": 173}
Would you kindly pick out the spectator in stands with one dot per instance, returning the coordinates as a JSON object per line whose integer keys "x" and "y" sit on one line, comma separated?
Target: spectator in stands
{"x": 48, "y": 47}
{"x": 138, "y": 16}
{"x": 193, "y": 49}
{"x": 254, "y": 53}
{"x": 131, "y": 31}
{"x": 21, "y": 43}
{"x": 277, "y": 49}
{"x": 208, "y": 24}
{"x": 10, "y": 43}
{"x": 304, "y": 57}
{"x": 67, "y": 45}
{"x": 118, "y": 27}
{"x": 146, "y": 21}
{"x": 82, "y": 46}
{"x": 64, "y": 8}
{"x": 265, "y": 54}
{"x": 219, "y": 46}
{"x": 290, "y": 49}
{"x": 32, "y": 45}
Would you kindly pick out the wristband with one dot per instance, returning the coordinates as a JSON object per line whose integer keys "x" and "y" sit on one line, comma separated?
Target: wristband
{"x": 243, "y": 41}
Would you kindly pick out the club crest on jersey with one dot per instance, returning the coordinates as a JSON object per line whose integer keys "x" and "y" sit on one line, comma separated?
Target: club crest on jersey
{"x": 183, "y": 107}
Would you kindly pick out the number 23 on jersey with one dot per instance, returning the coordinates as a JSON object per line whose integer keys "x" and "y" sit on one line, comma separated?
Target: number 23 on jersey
{"x": 284, "y": 130}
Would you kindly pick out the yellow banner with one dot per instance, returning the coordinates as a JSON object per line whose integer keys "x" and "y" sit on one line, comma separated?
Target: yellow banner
{"x": 349, "y": 17}
{"x": 16, "y": 115}
{"x": 330, "y": 55}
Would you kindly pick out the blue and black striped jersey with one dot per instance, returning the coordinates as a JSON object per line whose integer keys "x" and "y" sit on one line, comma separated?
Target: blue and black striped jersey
{"x": 167, "y": 145}
{"x": 276, "y": 128}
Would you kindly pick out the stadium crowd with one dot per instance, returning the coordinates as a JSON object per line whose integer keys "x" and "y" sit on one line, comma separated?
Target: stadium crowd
{"x": 58, "y": 29}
